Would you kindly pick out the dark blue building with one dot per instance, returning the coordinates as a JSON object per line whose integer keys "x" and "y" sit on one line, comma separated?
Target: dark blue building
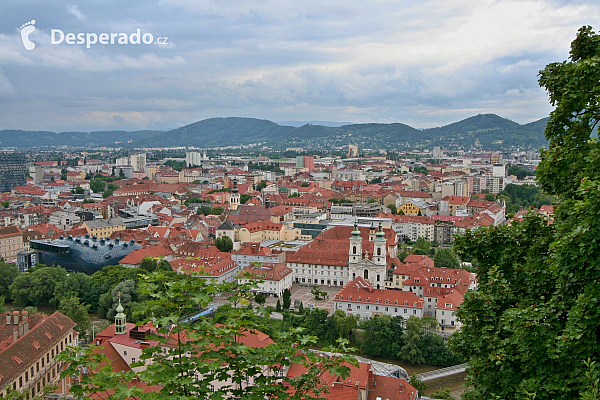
{"x": 82, "y": 253}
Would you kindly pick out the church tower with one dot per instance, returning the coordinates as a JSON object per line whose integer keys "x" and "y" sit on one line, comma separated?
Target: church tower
{"x": 355, "y": 245}
{"x": 234, "y": 198}
{"x": 120, "y": 319}
{"x": 379, "y": 245}
{"x": 372, "y": 232}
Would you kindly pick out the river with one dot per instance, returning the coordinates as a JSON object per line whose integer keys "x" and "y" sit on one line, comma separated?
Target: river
{"x": 455, "y": 382}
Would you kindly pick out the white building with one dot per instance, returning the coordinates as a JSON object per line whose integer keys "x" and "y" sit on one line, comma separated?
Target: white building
{"x": 341, "y": 254}
{"x": 360, "y": 298}
{"x": 270, "y": 278}
{"x": 138, "y": 162}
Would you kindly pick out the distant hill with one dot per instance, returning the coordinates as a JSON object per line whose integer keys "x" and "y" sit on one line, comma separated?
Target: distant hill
{"x": 17, "y": 138}
{"x": 489, "y": 130}
{"x": 221, "y": 132}
{"x": 298, "y": 124}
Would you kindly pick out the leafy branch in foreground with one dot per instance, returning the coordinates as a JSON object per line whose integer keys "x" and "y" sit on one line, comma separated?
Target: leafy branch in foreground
{"x": 225, "y": 356}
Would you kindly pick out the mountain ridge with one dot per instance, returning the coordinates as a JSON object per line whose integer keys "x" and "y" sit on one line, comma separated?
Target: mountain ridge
{"x": 488, "y": 130}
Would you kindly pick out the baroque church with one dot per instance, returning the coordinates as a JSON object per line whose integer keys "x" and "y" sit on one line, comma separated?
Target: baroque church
{"x": 341, "y": 254}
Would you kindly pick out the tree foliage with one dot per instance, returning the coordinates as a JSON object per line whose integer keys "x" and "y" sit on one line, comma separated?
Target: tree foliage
{"x": 8, "y": 273}
{"x": 190, "y": 357}
{"x": 517, "y": 196}
{"x": 446, "y": 258}
{"x": 36, "y": 287}
{"x": 224, "y": 243}
{"x": 519, "y": 172}
{"x": 535, "y": 317}
{"x": 72, "y": 308}
{"x": 382, "y": 336}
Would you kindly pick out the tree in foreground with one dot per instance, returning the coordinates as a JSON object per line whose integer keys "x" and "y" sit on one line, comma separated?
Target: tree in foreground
{"x": 535, "y": 318}
{"x": 189, "y": 358}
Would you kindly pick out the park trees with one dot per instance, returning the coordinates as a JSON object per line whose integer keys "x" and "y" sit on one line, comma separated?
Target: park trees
{"x": 72, "y": 308}
{"x": 382, "y": 336}
{"x": 446, "y": 258}
{"x": 36, "y": 287}
{"x": 535, "y": 317}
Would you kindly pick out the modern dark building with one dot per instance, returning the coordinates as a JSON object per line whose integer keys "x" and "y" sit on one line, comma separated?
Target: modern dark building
{"x": 13, "y": 170}
{"x": 82, "y": 253}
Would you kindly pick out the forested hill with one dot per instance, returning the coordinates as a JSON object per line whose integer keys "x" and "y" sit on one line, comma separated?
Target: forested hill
{"x": 488, "y": 130}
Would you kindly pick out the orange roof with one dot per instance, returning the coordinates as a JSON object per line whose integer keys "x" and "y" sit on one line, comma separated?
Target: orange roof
{"x": 136, "y": 256}
{"x": 267, "y": 271}
{"x": 361, "y": 291}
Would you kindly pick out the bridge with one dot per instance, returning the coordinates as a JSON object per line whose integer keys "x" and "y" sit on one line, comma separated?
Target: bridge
{"x": 443, "y": 372}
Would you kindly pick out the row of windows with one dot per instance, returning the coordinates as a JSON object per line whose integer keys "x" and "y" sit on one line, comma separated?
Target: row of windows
{"x": 30, "y": 374}
{"x": 405, "y": 310}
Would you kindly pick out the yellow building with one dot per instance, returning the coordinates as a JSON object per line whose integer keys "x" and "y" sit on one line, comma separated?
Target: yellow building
{"x": 265, "y": 230}
{"x": 412, "y": 207}
{"x": 104, "y": 227}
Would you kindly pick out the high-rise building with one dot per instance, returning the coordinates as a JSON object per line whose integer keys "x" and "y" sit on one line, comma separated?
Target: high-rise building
{"x": 194, "y": 158}
{"x": 308, "y": 163}
{"x": 12, "y": 170}
{"x": 138, "y": 162}
{"x": 352, "y": 150}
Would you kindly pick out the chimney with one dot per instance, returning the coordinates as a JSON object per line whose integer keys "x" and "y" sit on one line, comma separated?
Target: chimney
{"x": 25, "y": 316}
{"x": 21, "y": 329}
{"x": 8, "y": 318}
{"x": 15, "y": 333}
{"x": 16, "y": 317}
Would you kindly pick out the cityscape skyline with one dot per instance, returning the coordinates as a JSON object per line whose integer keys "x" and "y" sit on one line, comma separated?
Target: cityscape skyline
{"x": 420, "y": 64}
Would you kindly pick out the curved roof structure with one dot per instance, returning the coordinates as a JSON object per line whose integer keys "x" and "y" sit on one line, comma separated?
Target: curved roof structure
{"x": 83, "y": 253}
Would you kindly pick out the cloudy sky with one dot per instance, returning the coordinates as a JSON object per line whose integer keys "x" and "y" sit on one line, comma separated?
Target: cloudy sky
{"x": 424, "y": 63}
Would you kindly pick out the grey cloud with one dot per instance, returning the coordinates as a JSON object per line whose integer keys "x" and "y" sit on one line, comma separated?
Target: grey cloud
{"x": 423, "y": 63}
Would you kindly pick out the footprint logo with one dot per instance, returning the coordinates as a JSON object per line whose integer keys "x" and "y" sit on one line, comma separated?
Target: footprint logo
{"x": 26, "y": 29}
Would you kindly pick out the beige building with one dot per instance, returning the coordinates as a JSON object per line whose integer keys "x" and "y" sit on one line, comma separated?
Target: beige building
{"x": 104, "y": 227}
{"x": 30, "y": 345}
{"x": 265, "y": 230}
{"x": 11, "y": 242}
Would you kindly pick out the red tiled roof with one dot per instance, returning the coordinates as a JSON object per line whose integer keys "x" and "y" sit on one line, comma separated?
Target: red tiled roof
{"x": 44, "y": 333}
{"x": 9, "y": 231}
{"x": 136, "y": 256}
{"x": 267, "y": 271}
{"x": 361, "y": 291}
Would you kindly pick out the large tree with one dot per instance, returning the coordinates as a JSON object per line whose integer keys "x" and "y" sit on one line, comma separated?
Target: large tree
{"x": 535, "y": 317}
{"x": 79, "y": 313}
{"x": 36, "y": 287}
